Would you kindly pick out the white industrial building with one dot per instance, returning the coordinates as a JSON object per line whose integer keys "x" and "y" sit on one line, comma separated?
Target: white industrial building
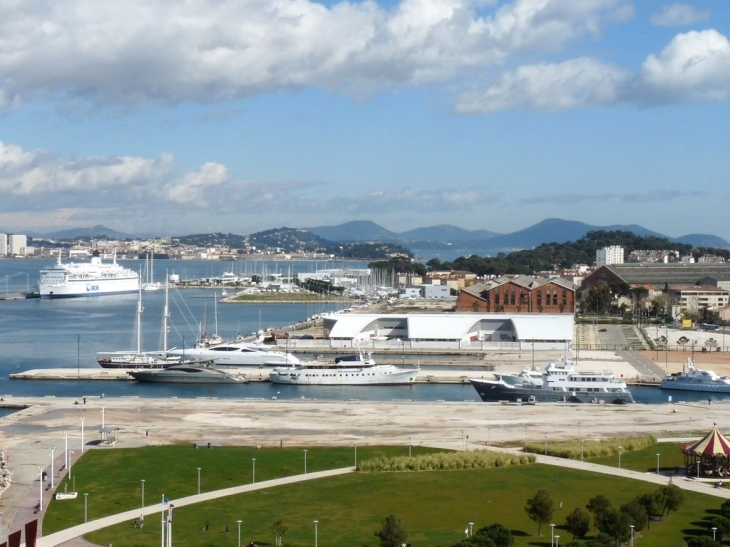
{"x": 3, "y": 244}
{"x": 17, "y": 244}
{"x": 451, "y": 331}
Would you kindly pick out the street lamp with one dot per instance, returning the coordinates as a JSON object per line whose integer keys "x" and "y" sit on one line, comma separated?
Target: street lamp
{"x": 253, "y": 470}
{"x": 632, "y": 535}
{"x": 142, "y": 493}
{"x": 471, "y": 529}
{"x": 355, "y": 456}
{"x": 40, "y": 486}
{"x": 315, "y": 532}
{"x": 52, "y": 448}
{"x": 70, "y": 462}
{"x": 698, "y": 469}
{"x": 65, "y": 463}
{"x": 657, "y": 464}
{"x": 239, "y": 533}
{"x": 409, "y": 447}
{"x": 714, "y": 529}
{"x": 198, "y": 480}
{"x": 82, "y": 435}
{"x": 86, "y": 506}
{"x": 546, "y": 445}
{"x": 582, "y": 443}
{"x": 305, "y": 462}
{"x": 552, "y": 535}
{"x": 619, "y": 456}
{"x": 557, "y": 541}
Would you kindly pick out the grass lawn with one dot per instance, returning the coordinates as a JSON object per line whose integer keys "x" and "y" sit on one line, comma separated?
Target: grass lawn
{"x": 670, "y": 458}
{"x": 435, "y": 507}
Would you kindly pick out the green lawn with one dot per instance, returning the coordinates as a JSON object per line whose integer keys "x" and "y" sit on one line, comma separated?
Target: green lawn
{"x": 435, "y": 507}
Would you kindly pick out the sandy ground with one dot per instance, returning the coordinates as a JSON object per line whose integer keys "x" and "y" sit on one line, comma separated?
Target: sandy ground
{"x": 27, "y": 435}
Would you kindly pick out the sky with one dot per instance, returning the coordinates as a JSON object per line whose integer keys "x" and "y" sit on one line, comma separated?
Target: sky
{"x": 169, "y": 117}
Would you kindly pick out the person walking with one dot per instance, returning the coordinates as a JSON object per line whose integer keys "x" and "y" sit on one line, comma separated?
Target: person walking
{"x": 141, "y": 521}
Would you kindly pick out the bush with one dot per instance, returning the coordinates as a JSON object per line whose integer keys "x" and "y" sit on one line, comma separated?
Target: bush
{"x": 445, "y": 461}
{"x": 571, "y": 450}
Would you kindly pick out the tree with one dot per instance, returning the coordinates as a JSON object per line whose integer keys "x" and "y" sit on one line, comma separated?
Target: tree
{"x": 279, "y": 531}
{"x": 711, "y": 343}
{"x": 673, "y": 497}
{"x": 540, "y": 508}
{"x": 598, "y": 505}
{"x": 637, "y": 512}
{"x": 683, "y": 341}
{"x": 653, "y": 504}
{"x": 725, "y": 509}
{"x": 701, "y": 541}
{"x": 578, "y": 523}
{"x": 498, "y": 534}
{"x": 391, "y": 533}
{"x": 723, "y": 527}
{"x": 615, "y": 524}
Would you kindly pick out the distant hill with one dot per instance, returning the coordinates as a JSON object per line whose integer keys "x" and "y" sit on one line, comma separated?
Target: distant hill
{"x": 95, "y": 231}
{"x": 703, "y": 240}
{"x": 356, "y": 230}
{"x": 446, "y": 233}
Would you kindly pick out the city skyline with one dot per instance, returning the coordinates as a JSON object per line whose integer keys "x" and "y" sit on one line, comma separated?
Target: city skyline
{"x": 241, "y": 117}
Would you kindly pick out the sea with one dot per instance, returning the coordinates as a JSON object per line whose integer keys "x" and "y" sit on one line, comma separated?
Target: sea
{"x": 68, "y": 333}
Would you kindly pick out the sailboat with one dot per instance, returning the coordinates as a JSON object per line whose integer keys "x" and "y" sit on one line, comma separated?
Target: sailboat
{"x": 140, "y": 359}
{"x": 150, "y": 284}
{"x": 204, "y": 340}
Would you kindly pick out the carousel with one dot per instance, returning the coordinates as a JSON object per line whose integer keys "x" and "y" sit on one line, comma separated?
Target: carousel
{"x": 709, "y": 457}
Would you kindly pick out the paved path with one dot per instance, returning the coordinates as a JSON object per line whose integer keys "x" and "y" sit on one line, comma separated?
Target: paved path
{"x": 645, "y": 367}
{"x": 59, "y": 538}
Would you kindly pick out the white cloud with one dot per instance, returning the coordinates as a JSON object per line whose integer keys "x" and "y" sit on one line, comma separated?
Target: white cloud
{"x": 126, "y": 51}
{"x": 694, "y": 65}
{"x": 573, "y": 83}
{"x": 197, "y": 188}
{"x": 677, "y": 15}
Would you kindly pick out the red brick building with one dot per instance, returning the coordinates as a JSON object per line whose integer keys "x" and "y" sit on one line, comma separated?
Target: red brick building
{"x": 518, "y": 294}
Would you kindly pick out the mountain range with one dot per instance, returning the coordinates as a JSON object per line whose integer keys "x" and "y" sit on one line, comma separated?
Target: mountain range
{"x": 445, "y": 239}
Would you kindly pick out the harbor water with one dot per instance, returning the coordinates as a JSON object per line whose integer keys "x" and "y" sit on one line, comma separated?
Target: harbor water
{"x": 68, "y": 333}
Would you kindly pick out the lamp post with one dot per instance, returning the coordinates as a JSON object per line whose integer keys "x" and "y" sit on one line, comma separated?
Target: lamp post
{"x": 239, "y": 533}
{"x": 546, "y": 445}
{"x": 52, "y": 449}
{"x": 698, "y": 469}
{"x": 198, "y": 480}
{"x": 70, "y": 462}
{"x": 65, "y": 463}
{"x": 714, "y": 529}
{"x": 619, "y": 456}
{"x": 690, "y": 426}
{"x": 632, "y": 535}
{"x": 355, "y": 456}
{"x": 471, "y": 529}
{"x": 86, "y": 506}
{"x": 657, "y": 464}
{"x": 82, "y": 435}
{"x": 409, "y": 447}
{"x": 315, "y": 532}
{"x": 102, "y": 418}
{"x": 552, "y": 535}
{"x": 489, "y": 436}
{"x": 253, "y": 470}
{"x": 582, "y": 443}
{"x": 142, "y": 493}
{"x": 40, "y": 487}
{"x": 557, "y": 541}
{"x": 305, "y": 462}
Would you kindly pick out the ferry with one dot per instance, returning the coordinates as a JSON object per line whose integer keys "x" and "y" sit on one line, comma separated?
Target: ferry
{"x": 561, "y": 382}
{"x": 86, "y": 279}
{"x": 354, "y": 370}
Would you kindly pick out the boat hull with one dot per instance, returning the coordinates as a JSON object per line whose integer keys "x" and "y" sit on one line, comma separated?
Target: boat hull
{"x": 200, "y": 376}
{"x": 351, "y": 377}
{"x": 77, "y": 289}
{"x": 707, "y": 388}
{"x": 496, "y": 391}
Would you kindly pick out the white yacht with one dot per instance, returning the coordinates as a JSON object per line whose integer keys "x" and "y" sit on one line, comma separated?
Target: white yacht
{"x": 344, "y": 371}
{"x": 188, "y": 374}
{"x": 694, "y": 379}
{"x": 236, "y": 354}
{"x": 86, "y": 279}
{"x": 561, "y": 382}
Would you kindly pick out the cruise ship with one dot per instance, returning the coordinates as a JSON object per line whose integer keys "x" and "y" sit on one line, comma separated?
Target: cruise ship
{"x": 695, "y": 379}
{"x": 561, "y": 382}
{"x": 86, "y": 279}
{"x": 353, "y": 370}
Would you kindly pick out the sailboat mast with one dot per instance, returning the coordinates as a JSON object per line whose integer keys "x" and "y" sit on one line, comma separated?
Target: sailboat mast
{"x": 165, "y": 316}
{"x": 139, "y": 315}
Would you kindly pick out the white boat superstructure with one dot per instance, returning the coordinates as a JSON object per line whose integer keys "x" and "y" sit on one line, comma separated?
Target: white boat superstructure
{"x": 695, "y": 379}
{"x": 344, "y": 371}
{"x": 92, "y": 278}
{"x": 237, "y": 354}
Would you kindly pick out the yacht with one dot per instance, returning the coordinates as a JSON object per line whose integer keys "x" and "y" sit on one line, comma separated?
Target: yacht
{"x": 236, "y": 354}
{"x": 561, "y": 382}
{"x": 86, "y": 279}
{"x": 188, "y": 374}
{"x": 344, "y": 371}
{"x": 694, "y": 379}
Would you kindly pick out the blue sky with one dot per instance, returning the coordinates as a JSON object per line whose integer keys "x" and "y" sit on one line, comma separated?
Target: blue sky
{"x": 240, "y": 116}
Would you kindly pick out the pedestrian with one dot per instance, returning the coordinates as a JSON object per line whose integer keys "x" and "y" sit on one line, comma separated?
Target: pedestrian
{"x": 207, "y": 524}
{"x": 147, "y": 433}
{"x": 141, "y": 521}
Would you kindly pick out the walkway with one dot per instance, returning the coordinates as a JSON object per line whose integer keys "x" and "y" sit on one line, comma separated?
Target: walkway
{"x": 645, "y": 367}
{"x": 69, "y": 534}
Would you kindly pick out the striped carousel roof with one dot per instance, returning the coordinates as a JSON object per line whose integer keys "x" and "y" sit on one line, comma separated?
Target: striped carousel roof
{"x": 714, "y": 444}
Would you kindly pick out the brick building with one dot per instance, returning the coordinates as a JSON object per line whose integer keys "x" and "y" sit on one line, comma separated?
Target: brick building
{"x": 518, "y": 294}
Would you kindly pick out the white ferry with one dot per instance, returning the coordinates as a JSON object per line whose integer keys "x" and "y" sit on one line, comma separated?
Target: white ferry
{"x": 86, "y": 279}
{"x": 352, "y": 370}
